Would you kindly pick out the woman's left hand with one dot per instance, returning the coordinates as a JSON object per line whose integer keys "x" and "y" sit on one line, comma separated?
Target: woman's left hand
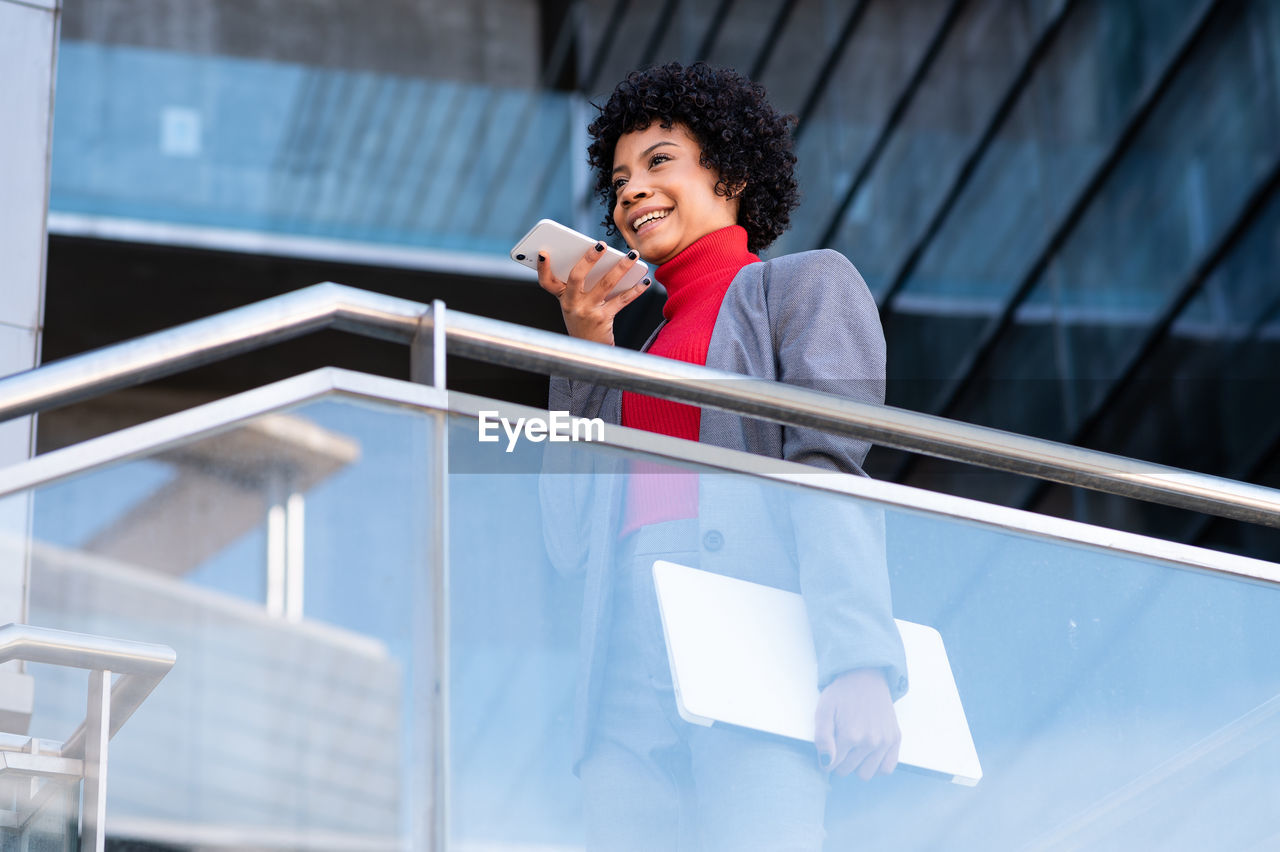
{"x": 856, "y": 726}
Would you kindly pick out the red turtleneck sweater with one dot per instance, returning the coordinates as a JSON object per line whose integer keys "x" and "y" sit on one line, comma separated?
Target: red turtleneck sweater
{"x": 696, "y": 280}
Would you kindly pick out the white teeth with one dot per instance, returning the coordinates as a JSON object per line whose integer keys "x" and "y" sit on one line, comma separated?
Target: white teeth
{"x": 648, "y": 217}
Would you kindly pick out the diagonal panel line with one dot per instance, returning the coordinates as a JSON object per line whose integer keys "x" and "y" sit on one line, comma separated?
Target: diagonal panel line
{"x": 762, "y": 58}
{"x": 659, "y": 32}
{"x": 1202, "y": 525}
{"x": 361, "y": 162}
{"x": 321, "y": 147}
{"x": 772, "y": 34}
{"x": 970, "y": 165}
{"x": 827, "y": 71}
{"x": 1222, "y": 747}
{"x": 426, "y": 180}
{"x": 1252, "y": 471}
{"x": 713, "y": 29}
{"x": 376, "y": 205}
{"x": 289, "y": 156}
{"x": 560, "y": 53}
{"x": 539, "y": 195}
{"x": 977, "y": 358}
{"x": 474, "y": 160}
{"x": 896, "y": 114}
{"x": 1253, "y": 207}
{"x": 606, "y": 44}
{"x": 611, "y": 28}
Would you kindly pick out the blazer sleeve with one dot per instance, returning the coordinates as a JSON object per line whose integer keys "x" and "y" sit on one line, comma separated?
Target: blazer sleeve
{"x": 567, "y": 485}
{"x": 827, "y": 336}
{"x": 579, "y": 398}
{"x": 576, "y": 484}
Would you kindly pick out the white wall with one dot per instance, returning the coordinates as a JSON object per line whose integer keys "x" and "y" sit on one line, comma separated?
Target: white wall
{"x": 28, "y": 50}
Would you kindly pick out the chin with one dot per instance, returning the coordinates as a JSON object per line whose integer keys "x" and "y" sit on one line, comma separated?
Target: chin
{"x": 658, "y": 253}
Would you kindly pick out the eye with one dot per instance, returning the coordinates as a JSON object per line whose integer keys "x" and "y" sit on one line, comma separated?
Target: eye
{"x": 658, "y": 159}
{"x": 619, "y": 183}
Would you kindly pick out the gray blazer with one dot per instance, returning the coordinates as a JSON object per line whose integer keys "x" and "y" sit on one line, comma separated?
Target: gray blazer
{"x": 805, "y": 319}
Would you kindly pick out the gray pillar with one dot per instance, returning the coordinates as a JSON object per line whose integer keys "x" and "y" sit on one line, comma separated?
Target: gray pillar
{"x": 28, "y": 52}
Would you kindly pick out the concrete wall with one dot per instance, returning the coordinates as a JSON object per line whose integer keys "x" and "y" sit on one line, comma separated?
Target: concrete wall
{"x": 477, "y": 41}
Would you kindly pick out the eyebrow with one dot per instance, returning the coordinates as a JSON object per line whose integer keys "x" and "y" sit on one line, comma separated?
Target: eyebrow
{"x": 646, "y": 152}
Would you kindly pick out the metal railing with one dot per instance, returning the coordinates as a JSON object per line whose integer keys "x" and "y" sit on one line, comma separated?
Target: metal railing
{"x": 429, "y": 332}
{"x": 141, "y": 667}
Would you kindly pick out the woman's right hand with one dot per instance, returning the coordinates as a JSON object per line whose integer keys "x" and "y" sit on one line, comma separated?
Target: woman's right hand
{"x": 588, "y": 314}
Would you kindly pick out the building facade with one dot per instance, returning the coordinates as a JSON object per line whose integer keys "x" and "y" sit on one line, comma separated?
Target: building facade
{"x": 1065, "y": 209}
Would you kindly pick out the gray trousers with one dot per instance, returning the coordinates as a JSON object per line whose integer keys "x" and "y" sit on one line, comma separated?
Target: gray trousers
{"x": 655, "y": 782}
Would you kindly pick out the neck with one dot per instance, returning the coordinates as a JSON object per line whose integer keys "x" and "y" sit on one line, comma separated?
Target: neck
{"x": 704, "y": 269}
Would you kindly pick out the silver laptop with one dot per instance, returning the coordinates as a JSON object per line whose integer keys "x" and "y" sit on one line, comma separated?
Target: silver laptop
{"x": 742, "y": 654}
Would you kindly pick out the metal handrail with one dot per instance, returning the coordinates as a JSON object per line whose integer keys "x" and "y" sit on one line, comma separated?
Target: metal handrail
{"x": 141, "y": 667}
{"x": 331, "y": 305}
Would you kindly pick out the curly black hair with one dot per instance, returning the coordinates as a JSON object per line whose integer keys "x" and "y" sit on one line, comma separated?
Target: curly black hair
{"x": 742, "y": 136}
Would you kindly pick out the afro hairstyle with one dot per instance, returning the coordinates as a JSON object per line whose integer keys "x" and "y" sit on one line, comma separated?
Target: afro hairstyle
{"x": 743, "y": 138}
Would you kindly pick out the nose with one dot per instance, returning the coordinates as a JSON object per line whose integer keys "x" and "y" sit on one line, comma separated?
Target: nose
{"x": 631, "y": 192}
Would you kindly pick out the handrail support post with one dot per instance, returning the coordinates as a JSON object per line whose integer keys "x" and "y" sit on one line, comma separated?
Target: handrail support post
{"x": 93, "y": 813}
{"x": 427, "y": 351}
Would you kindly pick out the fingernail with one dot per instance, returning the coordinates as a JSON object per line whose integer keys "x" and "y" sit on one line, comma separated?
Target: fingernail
{"x": 599, "y": 246}
{"x": 632, "y": 254}
{"x": 646, "y": 282}
{"x": 542, "y": 259}
{"x": 825, "y": 760}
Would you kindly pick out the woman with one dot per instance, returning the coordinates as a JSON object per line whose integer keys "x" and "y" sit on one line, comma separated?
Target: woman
{"x": 696, "y": 171}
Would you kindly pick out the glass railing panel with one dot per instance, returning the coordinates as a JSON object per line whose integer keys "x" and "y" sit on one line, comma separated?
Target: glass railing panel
{"x": 1112, "y": 684}
{"x": 1111, "y": 693}
{"x": 285, "y": 559}
{"x": 39, "y": 799}
{"x": 168, "y": 137}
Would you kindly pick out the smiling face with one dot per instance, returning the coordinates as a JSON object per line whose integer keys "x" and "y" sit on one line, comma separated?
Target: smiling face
{"x": 666, "y": 198}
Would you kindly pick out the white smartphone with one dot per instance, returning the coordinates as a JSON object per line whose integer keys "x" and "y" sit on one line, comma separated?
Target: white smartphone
{"x": 564, "y": 247}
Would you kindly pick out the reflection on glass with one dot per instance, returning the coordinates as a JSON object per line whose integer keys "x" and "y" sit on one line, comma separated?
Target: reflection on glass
{"x": 39, "y": 805}
{"x": 1106, "y": 693}
{"x": 1109, "y": 695}
{"x": 285, "y": 560}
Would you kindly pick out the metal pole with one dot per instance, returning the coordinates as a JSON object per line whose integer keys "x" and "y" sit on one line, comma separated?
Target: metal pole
{"x": 440, "y": 638}
{"x": 277, "y": 544}
{"x": 428, "y": 348}
{"x": 388, "y": 318}
{"x": 294, "y": 555}
{"x": 93, "y": 814}
{"x": 201, "y": 342}
{"x": 531, "y": 349}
